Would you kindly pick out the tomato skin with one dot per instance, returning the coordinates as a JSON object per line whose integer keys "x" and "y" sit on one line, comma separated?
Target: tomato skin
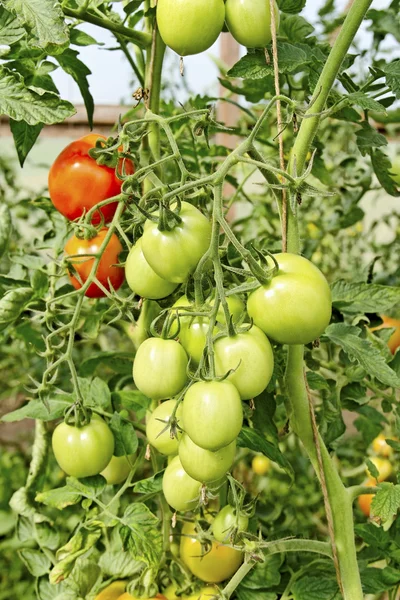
{"x": 174, "y": 254}
{"x": 190, "y": 27}
{"x": 384, "y": 467}
{"x": 295, "y": 306}
{"x": 395, "y": 170}
{"x": 142, "y": 279}
{"x": 381, "y": 447}
{"x": 106, "y": 272}
{"x": 394, "y": 340}
{"x": 261, "y": 465}
{"x": 226, "y": 522}
{"x": 159, "y": 368}
{"x": 365, "y": 500}
{"x": 117, "y": 469}
{"x": 83, "y": 451}
{"x": 206, "y": 593}
{"x": 205, "y": 465}
{"x": 127, "y": 596}
{"x": 212, "y": 414}
{"x": 157, "y": 421}
{"x": 249, "y": 21}
{"x": 250, "y": 354}
{"x": 180, "y": 490}
{"x": 215, "y": 566}
{"x": 112, "y": 591}
{"x": 77, "y": 182}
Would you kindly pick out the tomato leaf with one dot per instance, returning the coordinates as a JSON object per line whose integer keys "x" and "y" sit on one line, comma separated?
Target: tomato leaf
{"x": 316, "y": 588}
{"x": 5, "y": 228}
{"x": 12, "y": 304}
{"x": 25, "y": 137}
{"x": 254, "y": 440}
{"x": 35, "y": 409}
{"x": 126, "y": 441}
{"x": 386, "y": 502}
{"x": 151, "y": 485}
{"x": 59, "y": 498}
{"x": 35, "y": 561}
{"x": 71, "y": 64}
{"x": 141, "y": 534}
{"x": 361, "y": 298}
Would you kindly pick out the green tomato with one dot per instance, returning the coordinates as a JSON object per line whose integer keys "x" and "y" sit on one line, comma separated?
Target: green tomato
{"x": 190, "y": 27}
{"x": 118, "y": 469}
{"x": 174, "y": 254}
{"x": 295, "y": 306}
{"x": 159, "y": 368}
{"x": 250, "y": 354}
{"x": 249, "y": 21}
{"x": 226, "y": 522}
{"x": 212, "y": 414}
{"x": 205, "y": 465}
{"x": 156, "y": 423}
{"x": 395, "y": 170}
{"x": 141, "y": 278}
{"x": 236, "y": 308}
{"x": 83, "y": 451}
{"x": 181, "y": 491}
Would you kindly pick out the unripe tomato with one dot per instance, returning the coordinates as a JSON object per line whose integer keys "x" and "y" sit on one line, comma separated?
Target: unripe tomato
{"x": 205, "y": 465}
{"x": 77, "y": 182}
{"x": 207, "y": 593}
{"x": 174, "y": 254}
{"x": 226, "y": 522}
{"x": 261, "y": 464}
{"x": 384, "y": 467}
{"x": 395, "y": 170}
{"x": 83, "y": 451}
{"x": 118, "y": 469}
{"x": 190, "y": 27}
{"x": 180, "y": 490}
{"x": 295, "y": 306}
{"x": 159, "y": 368}
{"x": 112, "y": 591}
{"x": 108, "y": 272}
{"x": 142, "y": 279}
{"x": 212, "y": 414}
{"x": 215, "y": 566}
{"x": 249, "y": 21}
{"x": 381, "y": 447}
{"x": 157, "y": 422}
{"x": 365, "y": 500}
{"x": 250, "y": 354}
{"x": 394, "y": 340}
{"x": 127, "y": 596}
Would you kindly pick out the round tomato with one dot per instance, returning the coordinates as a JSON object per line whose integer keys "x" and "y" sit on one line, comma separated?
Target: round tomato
{"x": 365, "y": 500}
{"x": 295, "y": 306}
{"x": 394, "y": 340}
{"x": 174, "y": 254}
{"x": 157, "y": 422}
{"x": 205, "y": 465}
{"x": 226, "y": 522}
{"x": 118, "y": 469}
{"x": 249, "y": 21}
{"x": 250, "y": 354}
{"x": 384, "y": 467}
{"x": 395, "y": 170}
{"x": 127, "y": 596}
{"x": 108, "y": 272}
{"x": 77, "y": 182}
{"x": 159, "y": 368}
{"x": 261, "y": 464}
{"x": 215, "y": 566}
{"x": 236, "y": 308}
{"x": 381, "y": 447}
{"x": 190, "y": 27}
{"x": 212, "y": 414}
{"x": 83, "y": 451}
{"x": 206, "y": 593}
{"x": 142, "y": 279}
{"x": 181, "y": 491}
{"x": 112, "y": 591}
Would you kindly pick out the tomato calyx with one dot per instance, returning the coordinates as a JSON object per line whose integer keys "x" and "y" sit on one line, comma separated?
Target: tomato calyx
{"x": 169, "y": 219}
{"x": 78, "y": 415}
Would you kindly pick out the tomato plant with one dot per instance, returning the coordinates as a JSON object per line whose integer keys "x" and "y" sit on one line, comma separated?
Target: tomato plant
{"x": 250, "y": 21}
{"x": 81, "y": 254}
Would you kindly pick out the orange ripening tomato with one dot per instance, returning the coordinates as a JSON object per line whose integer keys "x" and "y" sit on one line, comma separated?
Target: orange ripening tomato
{"x": 77, "y": 182}
{"x": 394, "y": 340}
{"x": 365, "y": 501}
{"x": 107, "y": 270}
{"x": 112, "y": 591}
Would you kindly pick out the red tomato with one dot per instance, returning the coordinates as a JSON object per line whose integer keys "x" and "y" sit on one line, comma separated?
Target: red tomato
{"x": 107, "y": 271}
{"x": 394, "y": 340}
{"x": 77, "y": 182}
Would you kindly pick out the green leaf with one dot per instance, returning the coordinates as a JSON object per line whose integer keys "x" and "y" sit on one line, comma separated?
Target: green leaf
{"x": 392, "y": 71}
{"x": 265, "y": 574}
{"x": 373, "y": 535}
{"x": 377, "y": 580}
{"x": 81, "y": 38}
{"x": 44, "y": 20}
{"x": 141, "y": 534}
{"x": 35, "y": 409}
{"x": 363, "y": 352}
{"x": 119, "y": 362}
{"x": 255, "y": 66}
{"x": 5, "y": 228}
{"x": 131, "y": 400}
{"x": 96, "y": 393}
{"x": 71, "y": 64}
{"x": 316, "y": 588}
{"x": 12, "y": 304}
{"x": 291, "y": 6}
{"x": 10, "y": 28}
{"x": 368, "y": 137}
{"x": 119, "y": 564}
{"x": 361, "y": 298}
{"x": 383, "y": 168}
{"x": 386, "y": 502}
{"x": 22, "y": 104}
{"x": 126, "y": 441}
{"x": 151, "y": 485}
{"x": 295, "y": 28}
{"x": 363, "y": 101}
{"x": 78, "y": 545}
{"x": 36, "y": 562}
{"x": 85, "y": 576}
{"x": 25, "y": 137}
{"x": 254, "y": 440}
{"x": 59, "y": 498}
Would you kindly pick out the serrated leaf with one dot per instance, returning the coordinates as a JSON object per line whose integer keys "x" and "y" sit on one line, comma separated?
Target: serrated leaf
{"x": 295, "y": 28}
{"x": 291, "y": 6}
{"x": 368, "y": 137}
{"x": 71, "y": 64}
{"x": 377, "y": 580}
{"x": 126, "y": 441}
{"x": 141, "y": 534}
{"x": 36, "y": 562}
{"x": 265, "y": 574}
{"x": 119, "y": 564}
{"x": 361, "y": 298}
{"x": 59, "y": 498}
{"x": 81, "y": 38}
{"x": 254, "y": 65}
{"x": 151, "y": 485}
{"x": 12, "y": 304}
{"x": 5, "y": 228}
{"x": 363, "y": 101}
{"x": 254, "y": 440}
{"x": 392, "y": 71}
{"x": 35, "y": 409}
{"x": 382, "y": 167}
{"x": 22, "y": 104}
{"x": 25, "y": 137}
{"x": 386, "y": 501}
{"x": 316, "y": 588}
{"x": 11, "y": 30}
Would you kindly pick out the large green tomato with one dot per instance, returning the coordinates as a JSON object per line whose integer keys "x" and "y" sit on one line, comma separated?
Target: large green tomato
{"x": 250, "y": 353}
{"x": 249, "y": 21}
{"x": 226, "y": 522}
{"x": 118, "y": 469}
{"x": 142, "y": 279}
{"x": 157, "y": 422}
{"x": 236, "y": 308}
{"x": 212, "y": 414}
{"x": 83, "y": 451}
{"x": 295, "y": 306}
{"x": 395, "y": 170}
{"x": 174, "y": 254}
{"x": 190, "y": 27}
{"x": 181, "y": 491}
{"x": 205, "y": 465}
{"x": 159, "y": 368}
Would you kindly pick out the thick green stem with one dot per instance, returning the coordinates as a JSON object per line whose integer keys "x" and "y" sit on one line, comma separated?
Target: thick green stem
{"x": 153, "y": 84}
